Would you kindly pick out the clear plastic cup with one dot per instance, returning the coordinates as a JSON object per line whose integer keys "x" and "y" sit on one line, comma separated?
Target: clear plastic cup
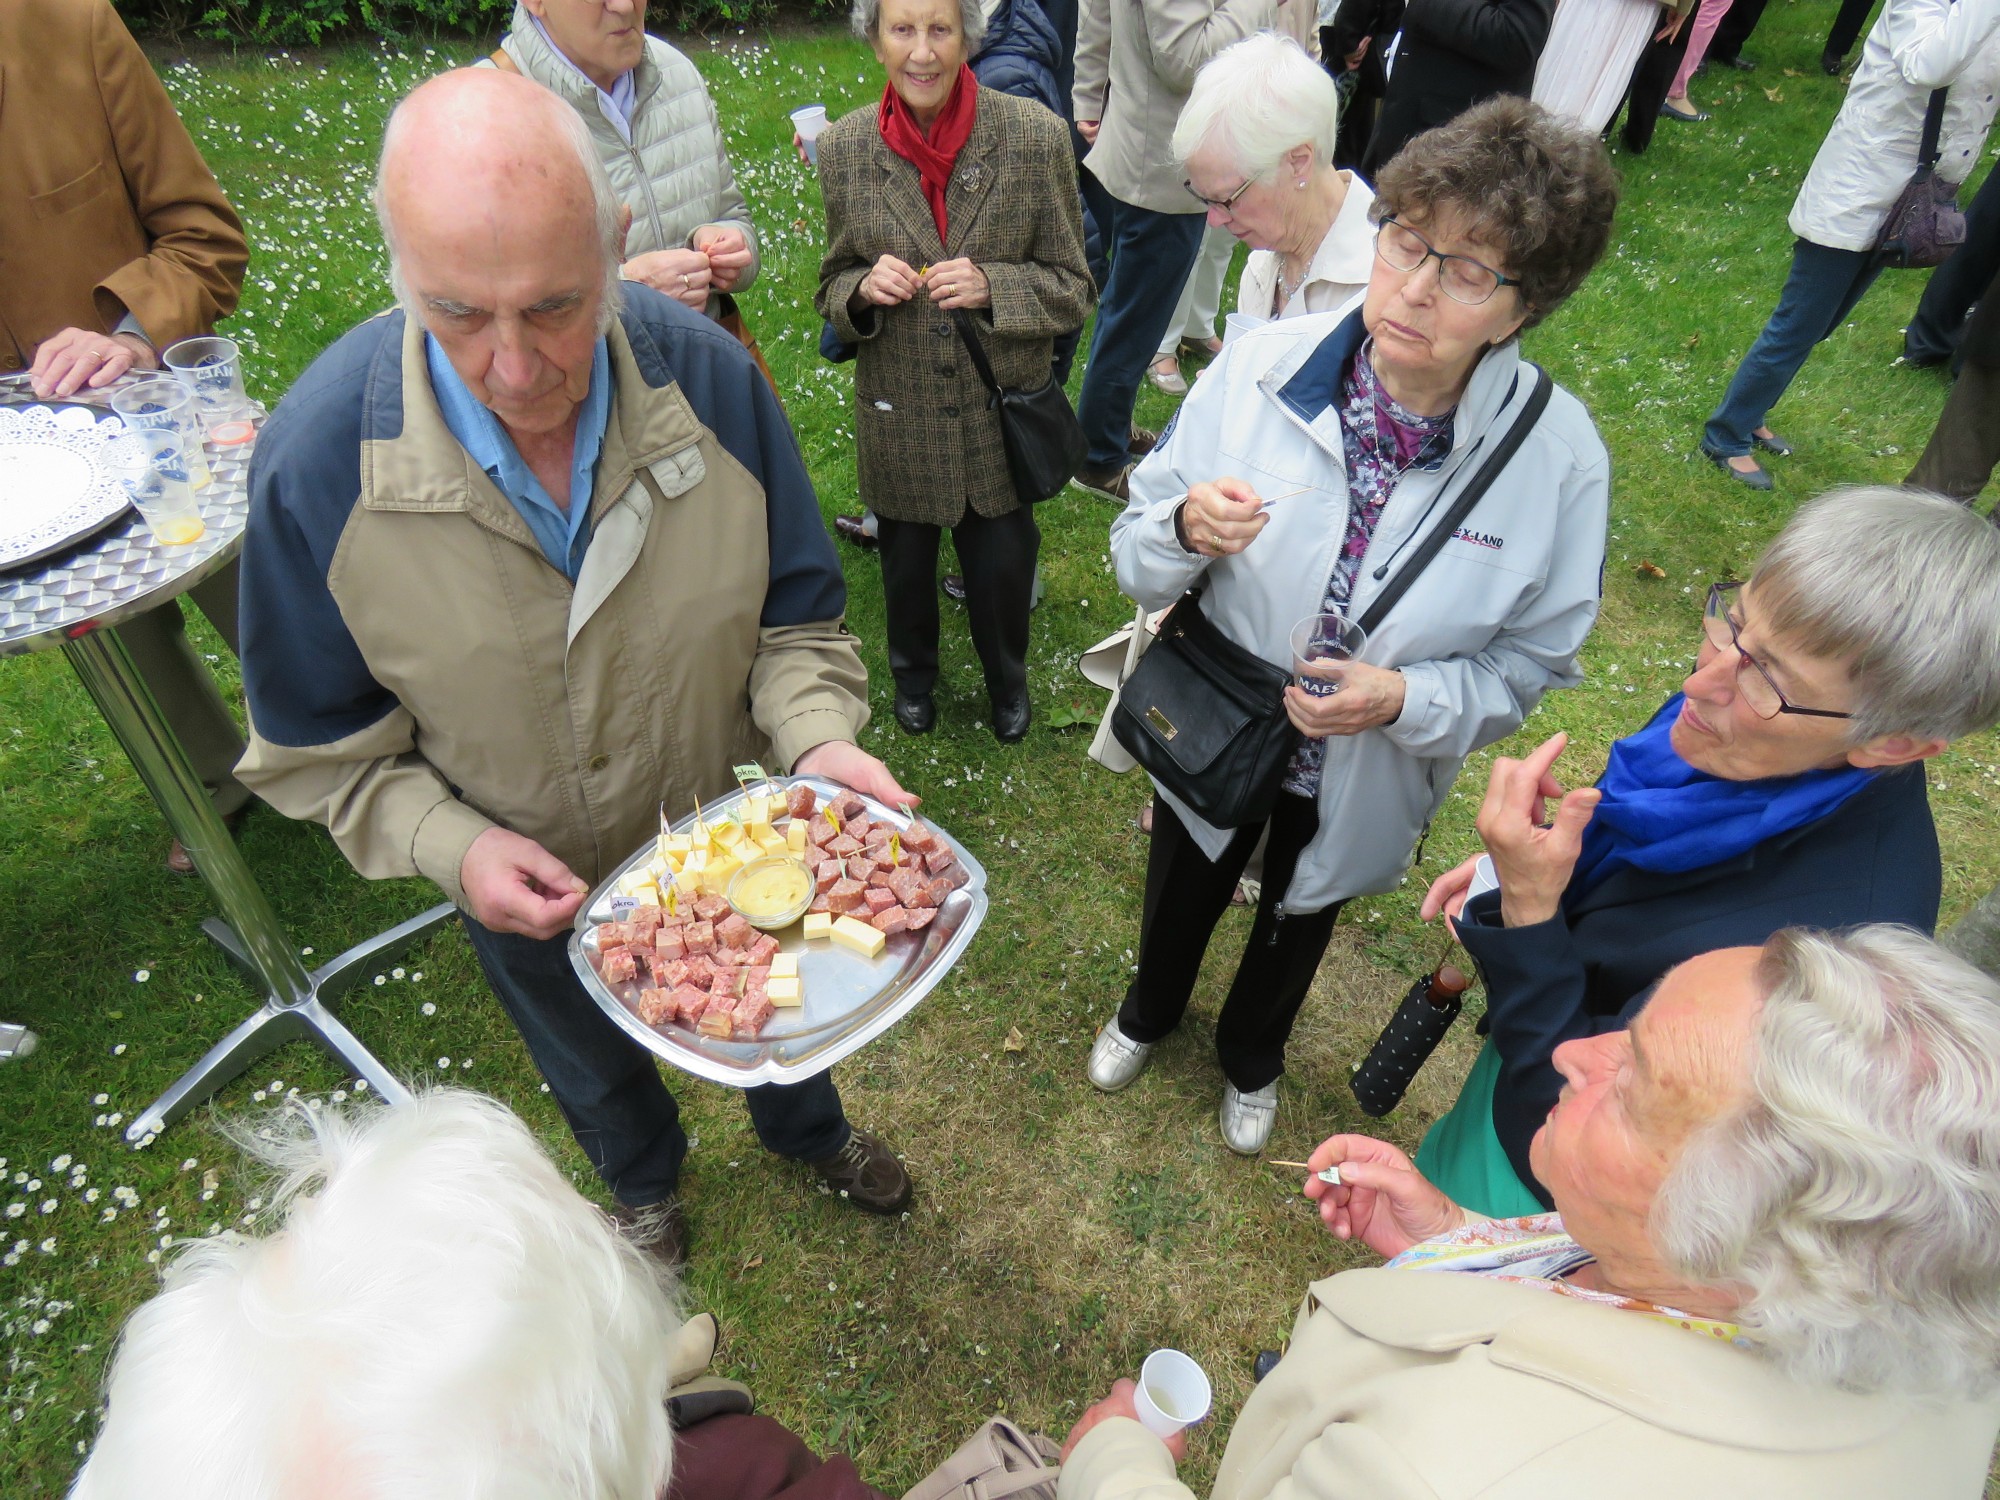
{"x": 150, "y": 465}
{"x": 1322, "y": 644}
{"x": 1173, "y": 1392}
{"x": 1239, "y": 323}
{"x": 163, "y": 401}
{"x": 809, "y": 120}
{"x": 212, "y": 370}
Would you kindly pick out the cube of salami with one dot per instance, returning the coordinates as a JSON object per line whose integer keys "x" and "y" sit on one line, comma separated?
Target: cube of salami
{"x": 860, "y": 867}
{"x": 862, "y": 828}
{"x": 844, "y": 847}
{"x": 713, "y": 908}
{"x": 847, "y": 806}
{"x": 921, "y": 916}
{"x": 939, "y": 859}
{"x": 918, "y": 837}
{"x": 733, "y": 932}
{"x": 819, "y": 904}
{"x": 890, "y": 919}
{"x": 820, "y": 833}
{"x": 936, "y": 890}
{"x": 751, "y": 1012}
{"x": 656, "y": 1007}
{"x": 878, "y": 878}
{"x": 845, "y": 895}
{"x": 698, "y": 937}
{"x": 907, "y": 885}
{"x": 618, "y": 966}
{"x": 826, "y": 872}
{"x": 800, "y": 801}
{"x": 763, "y": 950}
{"x": 878, "y": 899}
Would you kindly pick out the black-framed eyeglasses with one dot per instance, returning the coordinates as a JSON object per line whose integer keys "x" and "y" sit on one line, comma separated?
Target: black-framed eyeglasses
{"x": 1765, "y": 698}
{"x": 1224, "y": 205}
{"x": 1460, "y": 277}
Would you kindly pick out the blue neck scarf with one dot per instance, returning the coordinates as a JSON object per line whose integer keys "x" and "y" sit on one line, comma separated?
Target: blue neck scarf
{"x": 1660, "y": 814}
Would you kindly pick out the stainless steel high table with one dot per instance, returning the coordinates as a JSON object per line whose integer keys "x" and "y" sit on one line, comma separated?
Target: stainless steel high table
{"x": 67, "y": 602}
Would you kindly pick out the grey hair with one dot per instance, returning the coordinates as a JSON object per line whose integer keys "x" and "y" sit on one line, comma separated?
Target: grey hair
{"x": 1856, "y": 1198}
{"x": 607, "y": 210}
{"x": 866, "y": 19}
{"x": 1259, "y": 98}
{"x": 1902, "y": 587}
{"x": 439, "y": 1313}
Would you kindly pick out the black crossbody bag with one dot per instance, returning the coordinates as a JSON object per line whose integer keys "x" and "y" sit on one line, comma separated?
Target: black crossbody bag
{"x": 1206, "y": 717}
{"x": 1044, "y": 443}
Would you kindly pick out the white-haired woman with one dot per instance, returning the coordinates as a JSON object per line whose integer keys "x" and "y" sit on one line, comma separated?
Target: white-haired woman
{"x": 1782, "y": 785}
{"x": 1774, "y": 1268}
{"x": 1256, "y": 141}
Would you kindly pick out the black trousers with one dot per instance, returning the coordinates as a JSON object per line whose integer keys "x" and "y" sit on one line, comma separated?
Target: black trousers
{"x": 1935, "y": 332}
{"x": 608, "y": 1086}
{"x": 1652, "y": 79}
{"x": 1734, "y": 30}
{"x": 1186, "y": 895}
{"x": 997, "y": 557}
{"x": 1847, "y": 26}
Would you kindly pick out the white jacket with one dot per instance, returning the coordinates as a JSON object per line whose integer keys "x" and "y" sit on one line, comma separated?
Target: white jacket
{"x": 674, "y": 174}
{"x": 1869, "y": 154}
{"x": 1340, "y": 267}
{"x": 1492, "y": 624}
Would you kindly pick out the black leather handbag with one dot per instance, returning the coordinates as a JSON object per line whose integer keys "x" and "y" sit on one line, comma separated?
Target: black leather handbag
{"x": 1044, "y": 443}
{"x": 1206, "y": 717}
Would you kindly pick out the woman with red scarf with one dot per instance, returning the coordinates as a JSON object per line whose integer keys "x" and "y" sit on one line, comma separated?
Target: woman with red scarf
{"x": 947, "y": 197}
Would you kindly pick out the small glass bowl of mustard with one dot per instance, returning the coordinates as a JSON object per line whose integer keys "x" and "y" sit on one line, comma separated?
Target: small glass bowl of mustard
{"x": 771, "y": 892}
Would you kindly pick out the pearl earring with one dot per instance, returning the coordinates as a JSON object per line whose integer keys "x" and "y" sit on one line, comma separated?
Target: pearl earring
{"x": 1301, "y": 185}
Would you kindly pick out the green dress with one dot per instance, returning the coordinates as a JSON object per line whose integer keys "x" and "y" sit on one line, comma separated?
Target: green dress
{"x": 1462, "y": 1154}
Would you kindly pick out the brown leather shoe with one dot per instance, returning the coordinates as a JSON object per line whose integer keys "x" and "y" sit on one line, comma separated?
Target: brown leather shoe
{"x": 853, "y": 529}
{"x": 180, "y": 862}
{"x": 659, "y": 1229}
{"x": 1115, "y": 485}
{"x": 1141, "y": 440}
{"x": 867, "y": 1174}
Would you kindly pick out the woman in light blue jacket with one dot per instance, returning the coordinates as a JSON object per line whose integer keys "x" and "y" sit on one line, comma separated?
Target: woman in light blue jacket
{"x": 1360, "y": 426}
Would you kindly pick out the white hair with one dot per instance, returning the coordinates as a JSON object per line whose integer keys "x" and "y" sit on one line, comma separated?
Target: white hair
{"x": 1257, "y": 99}
{"x": 866, "y": 19}
{"x": 1856, "y": 1198}
{"x": 1903, "y": 588}
{"x": 608, "y": 210}
{"x": 441, "y": 1314}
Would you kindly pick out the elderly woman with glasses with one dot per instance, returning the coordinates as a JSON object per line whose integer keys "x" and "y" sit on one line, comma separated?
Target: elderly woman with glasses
{"x": 1301, "y": 474}
{"x": 1783, "y": 785}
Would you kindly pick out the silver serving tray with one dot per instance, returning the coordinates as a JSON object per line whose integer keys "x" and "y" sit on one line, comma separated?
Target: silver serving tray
{"x": 53, "y": 490}
{"x": 850, "y": 1000}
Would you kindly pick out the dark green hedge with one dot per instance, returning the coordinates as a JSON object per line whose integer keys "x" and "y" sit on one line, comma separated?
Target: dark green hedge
{"x": 293, "y": 23}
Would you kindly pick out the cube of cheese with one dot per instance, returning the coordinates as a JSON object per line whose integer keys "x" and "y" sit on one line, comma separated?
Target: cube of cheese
{"x": 859, "y": 936}
{"x": 783, "y": 992}
{"x": 819, "y": 924}
{"x": 629, "y": 884}
{"x": 695, "y": 863}
{"x": 795, "y": 836}
{"x": 676, "y": 845}
{"x": 785, "y": 965}
{"x": 727, "y": 835}
{"x": 756, "y": 808}
{"x": 721, "y": 870}
{"x": 768, "y": 839}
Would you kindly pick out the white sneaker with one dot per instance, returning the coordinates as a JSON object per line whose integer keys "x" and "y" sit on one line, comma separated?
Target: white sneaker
{"x": 1115, "y": 1059}
{"x": 1247, "y": 1118}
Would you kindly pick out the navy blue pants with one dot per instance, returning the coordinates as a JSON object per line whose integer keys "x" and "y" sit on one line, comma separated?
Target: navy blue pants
{"x": 608, "y": 1086}
{"x": 1150, "y": 253}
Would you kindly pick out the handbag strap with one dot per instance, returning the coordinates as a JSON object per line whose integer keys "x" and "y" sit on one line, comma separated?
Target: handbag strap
{"x": 964, "y": 325}
{"x": 1475, "y": 487}
{"x": 1928, "y": 152}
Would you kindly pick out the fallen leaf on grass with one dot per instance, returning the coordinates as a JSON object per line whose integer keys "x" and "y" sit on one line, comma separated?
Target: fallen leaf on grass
{"x": 1793, "y": 73}
{"x": 1015, "y": 1041}
{"x": 1693, "y": 339}
{"x": 1649, "y": 570}
{"x": 1775, "y": 94}
{"x": 753, "y": 1262}
{"x": 211, "y": 1180}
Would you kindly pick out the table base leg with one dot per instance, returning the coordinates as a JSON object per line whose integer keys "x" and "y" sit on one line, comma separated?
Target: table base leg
{"x": 275, "y": 1023}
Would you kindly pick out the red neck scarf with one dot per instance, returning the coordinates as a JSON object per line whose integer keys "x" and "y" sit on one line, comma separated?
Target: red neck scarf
{"x": 933, "y": 157}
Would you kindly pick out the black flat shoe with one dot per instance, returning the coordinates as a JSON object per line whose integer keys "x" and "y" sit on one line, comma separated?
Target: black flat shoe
{"x": 1830, "y": 64}
{"x": 917, "y": 715}
{"x": 1773, "y": 444}
{"x": 1758, "y": 478}
{"x": 1011, "y": 719}
{"x": 954, "y": 586}
{"x": 853, "y": 529}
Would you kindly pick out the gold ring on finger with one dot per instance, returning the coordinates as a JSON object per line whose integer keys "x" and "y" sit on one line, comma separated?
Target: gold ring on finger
{"x": 1215, "y": 541}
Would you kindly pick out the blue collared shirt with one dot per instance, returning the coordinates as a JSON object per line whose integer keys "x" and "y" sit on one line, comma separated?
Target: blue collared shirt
{"x": 617, "y": 104}
{"x": 563, "y": 535}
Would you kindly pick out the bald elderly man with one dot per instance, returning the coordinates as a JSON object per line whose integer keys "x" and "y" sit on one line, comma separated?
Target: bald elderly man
{"x": 528, "y": 556}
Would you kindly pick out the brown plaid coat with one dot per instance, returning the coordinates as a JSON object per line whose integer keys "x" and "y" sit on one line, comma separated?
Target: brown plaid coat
{"x": 926, "y": 444}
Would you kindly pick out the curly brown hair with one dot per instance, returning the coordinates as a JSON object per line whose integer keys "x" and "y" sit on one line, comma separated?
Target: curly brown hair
{"x": 1538, "y": 190}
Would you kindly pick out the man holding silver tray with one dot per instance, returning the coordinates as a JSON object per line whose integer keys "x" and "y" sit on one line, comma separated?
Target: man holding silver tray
{"x": 527, "y": 557}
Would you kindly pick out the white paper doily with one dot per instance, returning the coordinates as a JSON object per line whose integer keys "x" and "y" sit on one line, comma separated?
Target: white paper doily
{"x": 53, "y": 490}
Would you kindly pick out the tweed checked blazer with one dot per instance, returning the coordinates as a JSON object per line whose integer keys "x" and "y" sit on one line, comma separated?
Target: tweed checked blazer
{"x": 926, "y": 444}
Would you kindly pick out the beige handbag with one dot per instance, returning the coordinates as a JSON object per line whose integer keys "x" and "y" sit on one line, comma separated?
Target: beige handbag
{"x": 1108, "y": 664}
{"x": 997, "y": 1462}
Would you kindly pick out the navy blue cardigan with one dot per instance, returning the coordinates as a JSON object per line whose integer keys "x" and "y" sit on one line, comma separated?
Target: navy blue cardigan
{"x": 1590, "y": 968}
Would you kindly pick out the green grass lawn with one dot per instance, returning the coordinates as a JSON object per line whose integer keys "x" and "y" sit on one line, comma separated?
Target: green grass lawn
{"x": 1058, "y": 1234}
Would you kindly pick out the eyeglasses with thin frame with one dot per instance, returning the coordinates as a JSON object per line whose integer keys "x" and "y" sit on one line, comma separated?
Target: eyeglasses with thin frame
{"x": 1221, "y": 205}
{"x": 1460, "y": 277}
{"x": 1764, "y": 696}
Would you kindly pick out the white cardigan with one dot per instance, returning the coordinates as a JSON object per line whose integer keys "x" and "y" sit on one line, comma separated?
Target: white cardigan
{"x": 1869, "y": 154}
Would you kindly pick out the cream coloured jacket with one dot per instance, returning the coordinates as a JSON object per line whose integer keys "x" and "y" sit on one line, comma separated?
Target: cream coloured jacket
{"x": 1339, "y": 271}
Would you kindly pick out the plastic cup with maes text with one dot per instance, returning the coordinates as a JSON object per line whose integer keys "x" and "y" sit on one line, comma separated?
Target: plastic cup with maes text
{"x": 162, "y": 401}
{"x": 1173, "y": 1392}
{"x": 809, "y": 120}
{"x": 1239, "y": 323}
{"x": 212, "y": 370}
{"x": 151, "y": 467}
{"x": 1322, "y": 645}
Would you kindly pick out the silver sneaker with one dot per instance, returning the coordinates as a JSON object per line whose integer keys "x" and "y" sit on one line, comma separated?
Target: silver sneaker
{"x": 1115, "y": 1059}
{"x": 1247, "y": 1118}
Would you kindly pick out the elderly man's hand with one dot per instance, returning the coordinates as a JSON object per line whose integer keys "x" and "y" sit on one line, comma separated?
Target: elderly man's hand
{"x": 1119, "y": 1404}
{"x": 67, "y": 361}
{"x": 728, "y": 254}
{"x": 513, "y": 884}
{"x": 1368, "y": 697}
{"x": 888, "y": 282}
{"x": 1221, "y": 519}
{"x": 1533, "y": 856}
{"x": 958, "y": 283}
{"x": 850, "y": 765}
{"x": 1381, "y": 1198}
{"x": 683, "y": 275}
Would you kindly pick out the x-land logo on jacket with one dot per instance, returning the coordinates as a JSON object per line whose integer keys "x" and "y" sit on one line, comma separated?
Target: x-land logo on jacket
{"x": 1484, "y": 539}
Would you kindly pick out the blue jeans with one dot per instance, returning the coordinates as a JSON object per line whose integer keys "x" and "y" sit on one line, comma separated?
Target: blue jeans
{"x": 608, "y": 1086}
{"x": 1151, "y": 255}
{"x": 1820, "y": 292}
